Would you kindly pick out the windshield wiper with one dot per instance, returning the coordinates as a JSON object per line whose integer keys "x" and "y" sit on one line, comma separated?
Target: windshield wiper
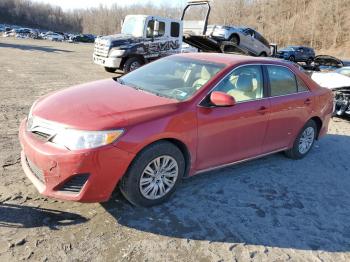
{"x": 119, "y": 80}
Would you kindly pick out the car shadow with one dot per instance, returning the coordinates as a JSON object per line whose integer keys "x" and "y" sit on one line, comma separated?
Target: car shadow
{"x": 272, "y": 201}
{"x": 12, "y": 215}
{"x": 48, "y": 49}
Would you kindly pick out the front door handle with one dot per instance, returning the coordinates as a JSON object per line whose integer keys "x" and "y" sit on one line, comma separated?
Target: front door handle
{"x": 263, "y": 110}
{"x": 307, "y": 101}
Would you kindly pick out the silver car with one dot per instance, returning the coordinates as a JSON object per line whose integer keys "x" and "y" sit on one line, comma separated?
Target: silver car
{"x": 243, "y": 37}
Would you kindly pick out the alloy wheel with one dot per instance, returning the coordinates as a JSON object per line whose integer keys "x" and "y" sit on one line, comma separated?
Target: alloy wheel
{"x": 134, "y": 65}
{"x": 306, "y": 140}
{"x": 159, "y": 177}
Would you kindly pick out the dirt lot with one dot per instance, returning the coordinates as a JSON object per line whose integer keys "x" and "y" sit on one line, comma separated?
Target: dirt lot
{"x": 271, "y": 209}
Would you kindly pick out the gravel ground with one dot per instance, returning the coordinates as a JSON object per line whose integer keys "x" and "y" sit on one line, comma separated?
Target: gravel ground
{"x": 271, "y": 209}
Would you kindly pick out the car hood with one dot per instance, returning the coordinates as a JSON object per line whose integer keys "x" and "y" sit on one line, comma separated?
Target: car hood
{"x": 119, "y": 40}
{"x": 101, "y": 105}
{"x": 331, "y": 80}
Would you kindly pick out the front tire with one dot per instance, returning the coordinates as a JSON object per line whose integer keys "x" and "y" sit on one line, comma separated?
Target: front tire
{"x": 292, "y": 58}
{"x": 234, "y": 39}
{"x": 263, "y": 54}
{"x": 309, "y": 61}
{"x": 110, "y": 69}
{"x": 153, "y": 175}
{"x": 132, "y": 64}
{"x": 304, "y": 141}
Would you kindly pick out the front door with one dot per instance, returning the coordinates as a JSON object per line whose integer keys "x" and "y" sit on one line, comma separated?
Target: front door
{"x": 229, "y": 134}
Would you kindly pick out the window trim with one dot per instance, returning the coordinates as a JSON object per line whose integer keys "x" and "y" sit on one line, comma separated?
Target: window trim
{"x": 266, "y": 85}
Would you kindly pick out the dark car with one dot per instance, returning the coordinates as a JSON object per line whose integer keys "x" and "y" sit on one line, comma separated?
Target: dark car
{"x": 297, "y": 54}
{"x": 84, "y": 38}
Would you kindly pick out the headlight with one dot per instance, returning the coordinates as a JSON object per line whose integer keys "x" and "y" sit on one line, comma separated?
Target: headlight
{"x": 79, "y": 139}
{"x": 116, "y": 52}
{"x": 30, "y": 116}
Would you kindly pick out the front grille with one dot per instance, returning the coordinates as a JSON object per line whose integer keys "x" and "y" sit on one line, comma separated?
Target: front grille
{"x": 35, "y": 170}
{"x": 101, "y": 48}
{"x": 75, "y": 184}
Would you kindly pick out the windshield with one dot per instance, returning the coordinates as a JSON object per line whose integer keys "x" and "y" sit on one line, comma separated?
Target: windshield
{"x": 133, "y": 25}
{"x": 288, "y": 48}
{"x": 173, "y": 77}
{"x": 344, "y": 71}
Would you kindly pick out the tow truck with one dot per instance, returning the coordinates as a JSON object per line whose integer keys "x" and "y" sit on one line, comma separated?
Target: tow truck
{"x": 144, "y": 38}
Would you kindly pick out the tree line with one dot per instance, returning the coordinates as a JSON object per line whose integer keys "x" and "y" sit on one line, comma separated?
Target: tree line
{"x": 321, "y": 24}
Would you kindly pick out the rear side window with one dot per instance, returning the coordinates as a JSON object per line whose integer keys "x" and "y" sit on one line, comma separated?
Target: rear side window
{"x": 175, "y": 29}
{"x": 302, "y": 87}
{"x": 282, "y": 81}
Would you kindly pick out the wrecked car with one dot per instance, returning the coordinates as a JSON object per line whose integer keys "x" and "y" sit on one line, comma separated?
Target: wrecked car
{"x": 329, "y": 72}
{"x": 243, "y": 37}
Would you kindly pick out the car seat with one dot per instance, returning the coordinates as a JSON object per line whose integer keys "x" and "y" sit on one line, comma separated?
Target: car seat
{"x": 204, "y": 78}
{"x": 244, "y": 89}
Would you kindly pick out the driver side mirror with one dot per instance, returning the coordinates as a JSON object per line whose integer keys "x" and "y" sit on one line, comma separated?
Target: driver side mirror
{"x": 156, "y": 28}
{"x": 221, "y": 99}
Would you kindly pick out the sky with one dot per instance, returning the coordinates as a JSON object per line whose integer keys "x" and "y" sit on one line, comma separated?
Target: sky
{"x": 79, "y": 4}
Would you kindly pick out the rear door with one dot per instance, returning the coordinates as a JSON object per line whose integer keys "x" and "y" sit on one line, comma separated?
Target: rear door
{"x": 247, "y": 40}
{"x": 290, "y": 107}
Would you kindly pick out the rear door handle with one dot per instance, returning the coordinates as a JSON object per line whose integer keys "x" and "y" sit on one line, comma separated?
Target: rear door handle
{"x": 263, "y": 110}
{"x": 307, "y": 101}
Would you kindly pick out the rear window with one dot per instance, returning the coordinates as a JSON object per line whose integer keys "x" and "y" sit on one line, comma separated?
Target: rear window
{"x": 175, "y": 29}
{"x": 282, "y": 81}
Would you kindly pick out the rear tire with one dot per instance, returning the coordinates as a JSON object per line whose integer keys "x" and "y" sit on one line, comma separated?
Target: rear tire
{"x": 110, "y": 69}
{"x": 145, "y": 175}
{"x": 309, "y": 61}
{"x": 304, "y": 141}
{"x": 132, "y": 64}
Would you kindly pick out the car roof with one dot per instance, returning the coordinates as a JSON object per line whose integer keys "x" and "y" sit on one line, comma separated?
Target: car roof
{"x": 233, "y": 59}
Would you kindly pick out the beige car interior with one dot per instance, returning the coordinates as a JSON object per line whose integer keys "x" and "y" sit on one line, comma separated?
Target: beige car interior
{"x": 205, "y": 75}
{"x": 244, "y": 84}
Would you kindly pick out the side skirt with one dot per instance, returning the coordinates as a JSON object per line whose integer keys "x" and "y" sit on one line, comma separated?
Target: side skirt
{"x": 239, "y": 161}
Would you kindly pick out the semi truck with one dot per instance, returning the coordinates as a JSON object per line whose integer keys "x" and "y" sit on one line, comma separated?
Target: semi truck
{"x": 144, "y": 38}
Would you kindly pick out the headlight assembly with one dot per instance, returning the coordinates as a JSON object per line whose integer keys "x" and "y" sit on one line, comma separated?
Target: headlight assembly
{"x": 116, "y": 52}
{"x": 79, "y": 139}
{"x": 30, "y": 116}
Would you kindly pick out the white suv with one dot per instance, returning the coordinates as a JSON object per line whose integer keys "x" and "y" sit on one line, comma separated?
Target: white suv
{"x": 243, "y": 37}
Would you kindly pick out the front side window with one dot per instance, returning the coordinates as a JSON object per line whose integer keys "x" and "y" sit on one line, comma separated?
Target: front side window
{"x": 150, "y": 29}
{"x": 244, "y": 83}
{"x": 173, "y": 77}
{"x": 282, "y": 81}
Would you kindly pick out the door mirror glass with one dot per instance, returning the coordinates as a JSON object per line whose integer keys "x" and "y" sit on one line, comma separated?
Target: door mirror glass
{"x": 156, "y": 28}
{"x": 218, "y": 98}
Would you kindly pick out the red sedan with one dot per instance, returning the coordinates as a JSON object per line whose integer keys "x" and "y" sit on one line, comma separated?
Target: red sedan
{"x": 173, "y": 118}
